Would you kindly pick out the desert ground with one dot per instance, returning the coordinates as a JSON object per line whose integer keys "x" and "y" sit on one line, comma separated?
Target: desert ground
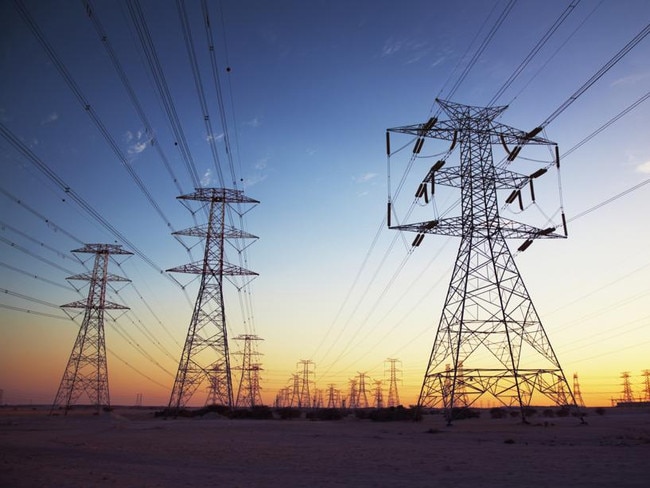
{"x": 130, "y": 447}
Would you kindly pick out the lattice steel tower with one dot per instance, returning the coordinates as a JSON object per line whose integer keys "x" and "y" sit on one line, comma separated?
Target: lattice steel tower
{"x": 205, "y": 359}
{"x": 87, "y": 369}
{"x": 393, "y": 394}
{"x": 248, "y": 392}
{"x": 489, "y": 333}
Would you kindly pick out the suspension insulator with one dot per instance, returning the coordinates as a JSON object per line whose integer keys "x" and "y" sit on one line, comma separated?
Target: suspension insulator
{"x": 453, "y": 141}
{"x": 514, "y": 153}
{"x": 418, "y": 145}
{"x": 418, "y": 240}
{"x": 429, "y": 124}
{"x": 505, "y": 146}
{"x": 521, "y": 201}
{"x": 525, "y": 245}
{"x": 388, "y": 143}
{"x": 533, "y": 132}
{"x": 388, "y": 209}
{"x": 512, "y": 197}
{"x": 547, "y": 231}
{"x": 538, "y": 173}
{"x": 566, "y": 233}
{"x": 422, "y": 188}
{"x": 439, "y": 164}
{"x": 532, "y": 190}
{"x": 557, "y": 157}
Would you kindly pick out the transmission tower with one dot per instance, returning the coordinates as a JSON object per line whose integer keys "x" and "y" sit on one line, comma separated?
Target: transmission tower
{"x": 393, "y": 395}
{"x": 295, "y": 390}
{"x": 627, "y": 397}
{"x": 333, "y": 397}
{"x": 362, "y": 392}
{"x": 576, "y": 391}
{"x": 205, "y": 358}
{"x": 353, "y": 398}
{"x": 304, "y": 398}
{"x": 379, "y": 395}
{"x": 646, "y": 385}
{"x": 87, "y": 370}
{"x": 248, "y": 393}
{"x": 488, "y": 324}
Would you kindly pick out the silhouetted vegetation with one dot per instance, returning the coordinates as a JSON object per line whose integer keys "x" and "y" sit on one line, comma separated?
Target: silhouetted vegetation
{"x": 391, "y": 414}
{"x": 325, "y": 414}
{"x": 498, "y": 413}
{"x": 288, "y": 413}
{"x": 462, "y": 413}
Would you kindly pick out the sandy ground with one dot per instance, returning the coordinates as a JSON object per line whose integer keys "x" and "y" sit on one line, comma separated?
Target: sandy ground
{"x": 132, "y": 448}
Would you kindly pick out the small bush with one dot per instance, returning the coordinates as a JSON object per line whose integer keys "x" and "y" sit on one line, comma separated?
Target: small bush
{"x": 600, "y": 411}
{"x": 498, "y": 413}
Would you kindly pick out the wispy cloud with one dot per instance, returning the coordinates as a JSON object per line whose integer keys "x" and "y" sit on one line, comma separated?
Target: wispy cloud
{"x": 137, "y": 141}
{"x": 364, "y": 177}
{"x": 261, "y": 164}
{"x": 254, "y": 122}
{"x": 214, "y": 137}
{"x": 206, "y": 179}
{"x": 49, "y": 119}
{"x": 644, "y": 167}
{"x": 631, "y": 79}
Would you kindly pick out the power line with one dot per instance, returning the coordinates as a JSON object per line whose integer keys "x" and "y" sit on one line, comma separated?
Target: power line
{"x": 87, "y": 107}
{"x": 85, "y": 206}
{"x": 606, "y": 67}
{"x": 558, "y": 22}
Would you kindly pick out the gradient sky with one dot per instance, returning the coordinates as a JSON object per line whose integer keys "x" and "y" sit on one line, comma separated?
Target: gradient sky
{"x": 309, "y": 90}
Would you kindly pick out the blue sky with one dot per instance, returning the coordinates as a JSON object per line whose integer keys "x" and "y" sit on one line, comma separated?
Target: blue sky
{"x": 309, "y": 89}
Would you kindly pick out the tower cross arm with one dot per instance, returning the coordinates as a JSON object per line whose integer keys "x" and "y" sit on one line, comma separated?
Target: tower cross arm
{"x": 89, "y": 276}
{"x": 202, "y": 231}
{"x": 104, "y": 306}
{"x": 199, "y": 268}
{"x": 503, "y": 178}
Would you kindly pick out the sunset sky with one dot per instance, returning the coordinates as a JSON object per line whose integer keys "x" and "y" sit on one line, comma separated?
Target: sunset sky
{"x": 308, "y": 90}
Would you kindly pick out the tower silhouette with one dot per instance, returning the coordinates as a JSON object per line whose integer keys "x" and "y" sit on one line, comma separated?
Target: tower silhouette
{"x": 646, "y": 385}
{"x": 304, "y": 396}
{"x": 627, "y": 397}
{"x": 362, "y": 392}
{"x": 205, "y": 359}
{"x": 248, "y": 393}
{"x": 379, "y": 395}
{"x": 353, "y": 397}
{"x": 87, "y": 369}
{"x": 333, "y": 396}
{"x": 393, "y": 395}
{"x": 576, "y": 391}
{"x": 489, "y": 331}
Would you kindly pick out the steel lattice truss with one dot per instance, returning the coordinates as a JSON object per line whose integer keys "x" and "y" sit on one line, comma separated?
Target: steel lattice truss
{"x": 87, "y": 371}
{"x": 249, "y": 391}
{"x": 490, "y": 340}
{"x": 205, "y": 359}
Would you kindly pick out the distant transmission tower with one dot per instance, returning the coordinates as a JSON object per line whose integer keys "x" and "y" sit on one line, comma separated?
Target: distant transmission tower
{"x": 248, "y": 393}
{"x": 379, "y": 395}
{"x": 304, "y": 398}
{"x": 646, "y": 385}
{"x": 353, "y": 398}
{"x": 489, "y": 325}
{"x": 627, "y": 397}
{"x": 333, "y": 397}
{"x": 87, "y": 370}
{"x": 393, "y": 395}
{"x": 205, "y": 358}
{"x": 362, "y": 393}
{"x": 576, "y": 391}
